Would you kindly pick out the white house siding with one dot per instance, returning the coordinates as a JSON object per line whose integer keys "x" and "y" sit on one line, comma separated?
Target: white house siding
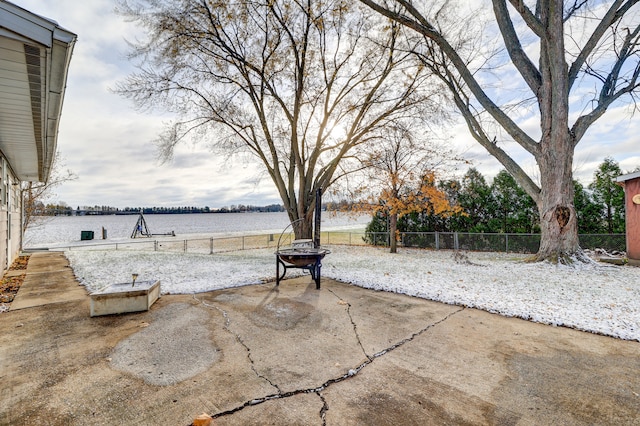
{"x": 10, "y": 215}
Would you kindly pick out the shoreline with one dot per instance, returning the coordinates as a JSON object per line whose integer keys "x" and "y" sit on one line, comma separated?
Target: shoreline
{"x": 354, "y": 229}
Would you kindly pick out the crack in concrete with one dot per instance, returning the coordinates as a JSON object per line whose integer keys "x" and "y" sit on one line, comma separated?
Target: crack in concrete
{"x": 352, "y": 372}
{"x": 324, "y": 409}
{"x": 227, "y": 323}
{"x": 253, "y": 367}
{"x": 353, "y": 323}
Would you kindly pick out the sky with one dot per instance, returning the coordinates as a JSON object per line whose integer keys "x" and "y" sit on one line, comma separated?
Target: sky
{"x": 109, "y": 145}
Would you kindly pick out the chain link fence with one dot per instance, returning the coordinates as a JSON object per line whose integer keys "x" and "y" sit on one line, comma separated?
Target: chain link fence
{"x": 514, "y": 243}
{"x": 208, "y": 245}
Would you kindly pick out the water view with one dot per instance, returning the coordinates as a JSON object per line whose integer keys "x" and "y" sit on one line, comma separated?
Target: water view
{"x": 68, "y": 229}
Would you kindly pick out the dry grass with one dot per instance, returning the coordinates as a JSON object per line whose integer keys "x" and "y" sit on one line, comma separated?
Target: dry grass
{"x": 10, "y": 283}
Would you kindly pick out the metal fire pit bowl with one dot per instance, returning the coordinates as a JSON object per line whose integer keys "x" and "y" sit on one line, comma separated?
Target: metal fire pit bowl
{"x": 301, "y": 258}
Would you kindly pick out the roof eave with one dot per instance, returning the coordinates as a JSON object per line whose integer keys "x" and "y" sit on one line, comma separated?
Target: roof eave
{"x": 58, "y": 60}
{"x": 56, "y": 46}
{"x": 627, "y": 177}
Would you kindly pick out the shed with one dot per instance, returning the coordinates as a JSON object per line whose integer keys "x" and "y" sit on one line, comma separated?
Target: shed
{"x": 631, "y": 185}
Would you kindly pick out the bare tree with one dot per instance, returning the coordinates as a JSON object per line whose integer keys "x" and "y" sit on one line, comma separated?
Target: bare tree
{"x": 298, "y": 84}
{"x": 36, "y": 194}
{"x": 586, "y": 50}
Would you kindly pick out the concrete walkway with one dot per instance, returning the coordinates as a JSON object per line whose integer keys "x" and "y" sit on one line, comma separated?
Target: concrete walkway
{"x": 49, "y": 280}
{"x": 294, "y": 355}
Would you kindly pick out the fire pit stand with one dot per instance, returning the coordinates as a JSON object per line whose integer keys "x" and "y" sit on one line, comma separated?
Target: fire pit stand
{"x": 303, "y": 254}
{"x": 300, "y": 258}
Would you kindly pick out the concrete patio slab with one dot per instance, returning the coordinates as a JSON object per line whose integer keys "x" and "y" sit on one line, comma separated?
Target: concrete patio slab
{"x": 292, "y": 354}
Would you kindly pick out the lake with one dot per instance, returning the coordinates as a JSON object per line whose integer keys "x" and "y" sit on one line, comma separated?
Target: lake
{"x": 67, "y": 229}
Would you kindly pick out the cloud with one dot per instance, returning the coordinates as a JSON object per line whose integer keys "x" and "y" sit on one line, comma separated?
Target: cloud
{"x": 110, "y": 145}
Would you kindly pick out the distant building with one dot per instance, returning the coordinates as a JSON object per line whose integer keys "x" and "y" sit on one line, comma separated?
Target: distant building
{"x": 34, "y": 60}
{"x": 631, "y": 184}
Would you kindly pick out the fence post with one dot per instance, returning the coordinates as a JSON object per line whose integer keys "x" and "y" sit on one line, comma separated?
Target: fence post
{"x": 455, "y": 241}
{"x": 437, "y": 241}
{"x": 506, "y": 243}
{"x": 211, "y": 245}
{"x": 185, "y": 246}
{"x": 243, "y": 242}
{"x": 155, "y": 245}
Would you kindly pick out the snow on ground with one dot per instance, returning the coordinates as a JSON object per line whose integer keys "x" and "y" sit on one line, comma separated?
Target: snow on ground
{"x": 596, "y": 297}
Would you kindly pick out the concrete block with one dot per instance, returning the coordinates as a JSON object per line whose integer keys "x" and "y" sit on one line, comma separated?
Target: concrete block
{"x": 122, "y": 298}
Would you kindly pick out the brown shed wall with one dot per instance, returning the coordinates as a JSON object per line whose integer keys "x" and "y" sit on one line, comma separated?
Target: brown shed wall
{"x": 631, "y": 188}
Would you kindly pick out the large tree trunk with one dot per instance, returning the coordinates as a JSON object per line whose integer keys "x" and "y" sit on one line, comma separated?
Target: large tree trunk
{"x": 303, "y": 224}
{"x": 558, "y": 219}
{"x": 303, "y": 217}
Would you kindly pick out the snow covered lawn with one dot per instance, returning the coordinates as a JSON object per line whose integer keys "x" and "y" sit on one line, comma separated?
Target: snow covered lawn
{"x": 599, "y": 298}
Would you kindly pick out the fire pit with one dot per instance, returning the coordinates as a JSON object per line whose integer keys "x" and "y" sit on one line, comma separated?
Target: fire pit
{"x": 301, "y": 258}
{"x": 303, "y": 254}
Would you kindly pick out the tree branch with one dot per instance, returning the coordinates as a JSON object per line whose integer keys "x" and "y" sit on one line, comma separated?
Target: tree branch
{"x": 519, "y": 58}
{"x": 422, "y": 26}
{"x": 615, "y": 12}
{"x": 610, "y": 91}
{"x": 529, "y": 17}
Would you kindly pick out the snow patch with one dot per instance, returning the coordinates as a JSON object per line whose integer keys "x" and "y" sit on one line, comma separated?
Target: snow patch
{"x": 595, "y": 297}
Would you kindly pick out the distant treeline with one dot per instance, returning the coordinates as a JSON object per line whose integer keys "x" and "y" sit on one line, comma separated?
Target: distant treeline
{"x": 63, "y": 209}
